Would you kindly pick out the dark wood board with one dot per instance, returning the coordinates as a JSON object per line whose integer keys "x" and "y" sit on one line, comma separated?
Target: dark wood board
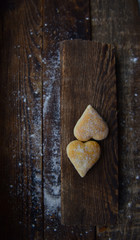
{"x": 21, "y": 203}
{"x": 67, "y": 20}
{"x": 88, "y": 77}
{"x": 23, "y": 32}
{"x": 30, "y": 35}
{"x": 118, "y": 23}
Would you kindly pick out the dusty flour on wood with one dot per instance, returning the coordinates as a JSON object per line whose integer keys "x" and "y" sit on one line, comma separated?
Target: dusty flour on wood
{"x": 51, "y": 145}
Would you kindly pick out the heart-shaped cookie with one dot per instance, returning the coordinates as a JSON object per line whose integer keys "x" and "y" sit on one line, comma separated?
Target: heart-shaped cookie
{"x": 83, "y": 155}
{"x": 90, "y": 125}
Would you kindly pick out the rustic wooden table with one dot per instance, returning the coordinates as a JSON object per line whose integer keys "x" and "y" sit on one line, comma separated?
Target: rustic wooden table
{"x": 30, "y": 32}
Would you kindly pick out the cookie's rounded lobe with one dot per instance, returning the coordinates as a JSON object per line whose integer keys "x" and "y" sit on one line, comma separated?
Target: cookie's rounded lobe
{"x": 83, "y": 155}
{"x": 90, "y": 125}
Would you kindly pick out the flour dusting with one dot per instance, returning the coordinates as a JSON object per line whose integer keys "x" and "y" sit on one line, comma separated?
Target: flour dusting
{"x": 51, "y": 108}
{"x": 134, "y": 59}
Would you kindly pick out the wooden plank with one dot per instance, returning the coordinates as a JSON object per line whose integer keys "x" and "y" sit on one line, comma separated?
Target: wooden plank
{"x": 118, "y": 23}
{"x": 88, "y": 77}
{"x": 21, "y": 202}
{"x": 61, "y": 20}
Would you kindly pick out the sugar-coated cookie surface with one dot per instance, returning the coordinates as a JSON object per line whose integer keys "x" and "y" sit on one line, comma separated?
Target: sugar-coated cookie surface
{"x": 90, "y": 125}
{"x": 83, "y": 155}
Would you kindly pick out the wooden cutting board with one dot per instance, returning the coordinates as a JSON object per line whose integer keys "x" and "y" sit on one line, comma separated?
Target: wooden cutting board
{"x": 88, "y": 77}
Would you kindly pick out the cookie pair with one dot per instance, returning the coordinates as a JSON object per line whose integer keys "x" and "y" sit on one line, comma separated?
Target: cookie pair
{"x": 90, "y": 126}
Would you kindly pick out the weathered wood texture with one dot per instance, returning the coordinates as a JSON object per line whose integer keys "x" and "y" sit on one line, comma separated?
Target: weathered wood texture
{"x": 21, "y": 206}
{"x": 61, "y": 20}
{"x": 29, "y": 39}
{"x": 118, "y": 23}
{"x": 23, "y": 30}
{"x": 88, "y": 77}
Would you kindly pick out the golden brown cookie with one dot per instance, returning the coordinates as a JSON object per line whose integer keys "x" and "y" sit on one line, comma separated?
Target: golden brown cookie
{"x": 83, "y": 155}
{"x": 90, "y": 125}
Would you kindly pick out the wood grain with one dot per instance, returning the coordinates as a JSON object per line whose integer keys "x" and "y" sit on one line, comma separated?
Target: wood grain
{"x": 24, "y": 32}
{"x": 67, "y": 20}
{"x": 118, "y": 23}
{"x": 30, "y": 35}
{"x": 88, "y": 77}
{"x": 21, "y": 204}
